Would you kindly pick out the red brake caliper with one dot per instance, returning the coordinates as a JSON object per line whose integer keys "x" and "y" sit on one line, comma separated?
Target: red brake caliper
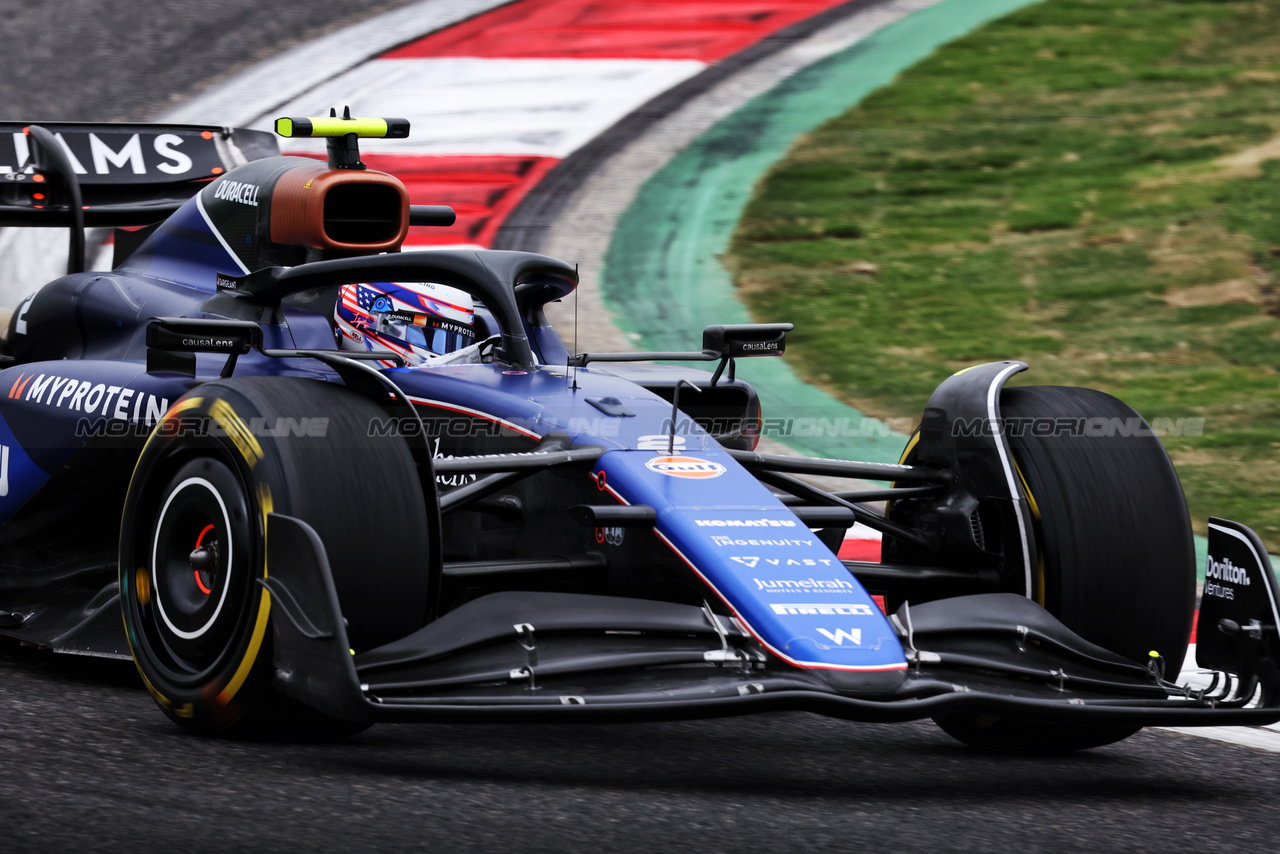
{"x": 201, "y": 572}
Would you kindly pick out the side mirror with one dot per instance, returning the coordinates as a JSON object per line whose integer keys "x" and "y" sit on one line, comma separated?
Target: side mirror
{"x": 172, "y": 342}
{"x": 740, "y": 340}
{"x": 199, "y": 335}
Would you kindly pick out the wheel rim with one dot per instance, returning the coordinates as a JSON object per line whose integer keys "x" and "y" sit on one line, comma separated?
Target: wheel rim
{"x": 191, "y": 587}
{"x": 198, "y": 571}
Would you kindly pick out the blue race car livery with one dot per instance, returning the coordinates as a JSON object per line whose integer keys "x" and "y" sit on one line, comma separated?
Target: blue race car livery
{"x": 305, "y": 538}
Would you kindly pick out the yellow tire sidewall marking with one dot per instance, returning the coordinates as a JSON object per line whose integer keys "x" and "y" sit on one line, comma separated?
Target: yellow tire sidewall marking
{"x": 902, "y": 461}
{"x": 1035, "y": 514}
{"x": 266, "y": 504}
{"x": 237, "y": 431}
{"x": 142, "y": 585}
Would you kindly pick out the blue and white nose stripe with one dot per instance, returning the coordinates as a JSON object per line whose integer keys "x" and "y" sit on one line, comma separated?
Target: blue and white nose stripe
{"x": 786, "y": 588}
{"x": 791, "y": 593}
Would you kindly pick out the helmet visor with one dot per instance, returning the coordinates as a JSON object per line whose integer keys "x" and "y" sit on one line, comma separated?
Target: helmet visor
{"x": 435, "y": 334}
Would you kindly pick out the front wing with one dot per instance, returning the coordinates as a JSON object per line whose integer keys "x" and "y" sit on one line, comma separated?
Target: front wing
{"x": 576, "y": 657}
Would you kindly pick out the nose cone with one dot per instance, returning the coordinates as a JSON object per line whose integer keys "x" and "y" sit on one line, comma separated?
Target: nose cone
{"x": 863, "y": 683}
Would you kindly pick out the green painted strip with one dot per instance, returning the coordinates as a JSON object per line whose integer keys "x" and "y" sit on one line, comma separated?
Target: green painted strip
{"x": 662, "y": 277}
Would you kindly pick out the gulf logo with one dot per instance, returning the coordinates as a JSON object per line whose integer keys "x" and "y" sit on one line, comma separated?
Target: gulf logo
{"x": 689, "y": 467}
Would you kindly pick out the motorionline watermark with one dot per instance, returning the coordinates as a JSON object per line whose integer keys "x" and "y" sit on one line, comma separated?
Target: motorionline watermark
{"x": 262, "y": 428}
{"x": 610, "y": 427}
{"x": 802, "y": 427}
{"x": 477, "y": 428}
{"x": 779, "y": 427}
{"x": 853, "y": 427}
{"x": 1070, "y": 426}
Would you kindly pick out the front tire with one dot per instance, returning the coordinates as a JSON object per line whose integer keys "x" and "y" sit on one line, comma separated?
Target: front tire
{"x": 193, "y": 544}
{"x": 1116, "y": 557}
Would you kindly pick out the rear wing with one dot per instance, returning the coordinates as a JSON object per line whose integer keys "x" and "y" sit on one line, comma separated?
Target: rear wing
{"x": 107, "y": 174}
{"x": 126, "y": 174}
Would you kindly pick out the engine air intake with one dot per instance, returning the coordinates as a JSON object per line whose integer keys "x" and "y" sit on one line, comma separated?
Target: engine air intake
{"x": 362, "y": 213}
{"x": 345, "y": 210}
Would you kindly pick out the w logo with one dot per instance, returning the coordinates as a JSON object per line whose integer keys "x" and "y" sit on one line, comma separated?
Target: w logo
{"x": 839, "y": 636}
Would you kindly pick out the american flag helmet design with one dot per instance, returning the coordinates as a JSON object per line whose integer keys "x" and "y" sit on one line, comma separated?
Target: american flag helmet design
{"x": 418, "y": 321}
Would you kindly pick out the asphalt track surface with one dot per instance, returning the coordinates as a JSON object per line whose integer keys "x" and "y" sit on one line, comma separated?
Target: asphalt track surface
{"x": 89, "y": 763}
{"x": 116, "y": 60}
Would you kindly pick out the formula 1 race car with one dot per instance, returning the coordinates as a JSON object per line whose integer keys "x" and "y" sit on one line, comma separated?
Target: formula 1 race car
{"x": 330, "y": 483}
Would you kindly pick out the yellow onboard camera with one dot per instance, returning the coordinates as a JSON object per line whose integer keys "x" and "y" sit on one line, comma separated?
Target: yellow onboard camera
{"x": 342, "y": 133}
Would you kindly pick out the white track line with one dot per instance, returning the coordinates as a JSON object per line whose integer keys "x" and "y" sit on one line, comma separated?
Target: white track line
{"x": 469, "y": 106}
{"x": 1259, "y": 738}
{"x": 263, "y": 87}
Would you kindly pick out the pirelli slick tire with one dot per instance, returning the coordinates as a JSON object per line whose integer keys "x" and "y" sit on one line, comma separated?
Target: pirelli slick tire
{"x": 192, "y": 544}
{"x": 1116, "y": 559}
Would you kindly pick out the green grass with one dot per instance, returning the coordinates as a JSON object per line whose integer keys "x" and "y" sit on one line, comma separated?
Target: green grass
{"x": 1064, "y": 186}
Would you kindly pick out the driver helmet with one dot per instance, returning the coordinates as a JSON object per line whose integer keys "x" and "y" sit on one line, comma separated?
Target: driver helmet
{"x": 419, "y": 321}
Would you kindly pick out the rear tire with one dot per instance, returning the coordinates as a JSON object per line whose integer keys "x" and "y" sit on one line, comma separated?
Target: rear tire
{"x": 1116, "y": 556}
{"x": 193, "y": 544}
